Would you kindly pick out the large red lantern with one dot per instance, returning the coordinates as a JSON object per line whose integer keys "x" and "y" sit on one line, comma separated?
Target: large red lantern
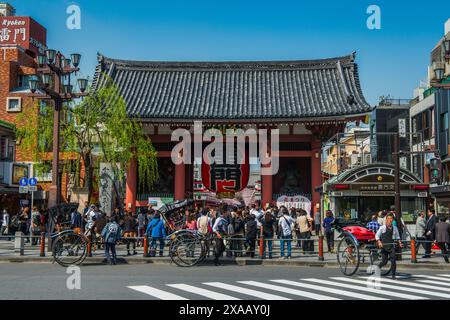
{"x": 226, "y": 179}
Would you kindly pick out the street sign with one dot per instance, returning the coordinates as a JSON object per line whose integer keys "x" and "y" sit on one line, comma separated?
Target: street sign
{"x": 33, "y": 182}
{"x": 23, "y": 182}
{"x": 32, "y": 188}
{"x": 23, "y": 189}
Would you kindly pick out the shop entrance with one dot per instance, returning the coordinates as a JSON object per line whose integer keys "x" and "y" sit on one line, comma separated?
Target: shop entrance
{"x": 370, "y": 205}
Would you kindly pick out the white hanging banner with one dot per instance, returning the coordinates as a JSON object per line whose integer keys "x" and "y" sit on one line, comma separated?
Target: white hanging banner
{"x": 297, "y": 201}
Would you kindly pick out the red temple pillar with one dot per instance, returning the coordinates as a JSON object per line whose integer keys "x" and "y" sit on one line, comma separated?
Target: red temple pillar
{"x": 316, "y": 173}
{"x": 180, "y": 181}
{"x": 267, "y": 192}
{"x": 131, "y": 190}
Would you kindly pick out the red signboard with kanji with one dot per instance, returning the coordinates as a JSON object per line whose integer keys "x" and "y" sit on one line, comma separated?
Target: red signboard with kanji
{"x": 23, "y": 31}
{"x": 226, "y": 177}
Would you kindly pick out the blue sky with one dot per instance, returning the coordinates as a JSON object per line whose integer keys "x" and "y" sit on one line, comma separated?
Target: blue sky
{"x": 391, "y": 61}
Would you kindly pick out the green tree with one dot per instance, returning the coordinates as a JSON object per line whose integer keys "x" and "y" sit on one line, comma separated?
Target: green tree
{"x": 95, "y": 129}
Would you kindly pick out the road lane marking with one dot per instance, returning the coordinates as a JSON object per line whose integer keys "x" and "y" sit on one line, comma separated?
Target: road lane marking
{"x": 296, "y": 292}
{"x": 160, "y": 294}
{"x": 327, "y": 289}
{"x": 202, "y": 292}
{"x": 431, "y": 277}
{"x": 249, "y": 292}
{"x": 413, "y": 284}
{"x": 383, "y": 292}
{"x": 443, "y": 275}
{"x": 388, "y": 286}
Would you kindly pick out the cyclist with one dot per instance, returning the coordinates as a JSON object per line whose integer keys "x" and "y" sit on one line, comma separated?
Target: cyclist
{"x": 386, "y": 236}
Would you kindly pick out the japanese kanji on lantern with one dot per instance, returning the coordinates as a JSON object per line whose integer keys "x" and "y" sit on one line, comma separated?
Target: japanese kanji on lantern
{"x": 228, "y": 177}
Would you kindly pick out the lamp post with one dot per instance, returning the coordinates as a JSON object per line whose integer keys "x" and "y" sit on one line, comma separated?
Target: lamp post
{"x": 53, "y": 82}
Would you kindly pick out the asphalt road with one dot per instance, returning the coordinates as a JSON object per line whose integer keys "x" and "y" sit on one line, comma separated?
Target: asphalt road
{"x": 140, "y": 282}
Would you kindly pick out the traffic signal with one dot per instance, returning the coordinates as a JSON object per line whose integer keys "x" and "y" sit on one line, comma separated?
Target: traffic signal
{"x": 435, "y": 170}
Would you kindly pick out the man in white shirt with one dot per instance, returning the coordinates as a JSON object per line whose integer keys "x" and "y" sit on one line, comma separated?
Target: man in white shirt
{"x": 285, "y": 224}
{"x": 258, "y": 213}
{"x": 220, "y": 229}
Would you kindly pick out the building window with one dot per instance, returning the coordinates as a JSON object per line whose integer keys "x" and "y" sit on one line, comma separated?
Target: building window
{"x": 23, "y": 81}
{"x": 14, "y": 104}
{"x": 444, "y": 122}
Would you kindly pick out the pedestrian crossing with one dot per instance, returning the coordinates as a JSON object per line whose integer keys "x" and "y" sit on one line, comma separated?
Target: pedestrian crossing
{"x": 415, "y": 287}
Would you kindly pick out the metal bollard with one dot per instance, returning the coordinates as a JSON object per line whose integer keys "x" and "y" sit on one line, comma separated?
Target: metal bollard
{"x": 89, "y": 248}
{"x": 321, "y": 248}
{"x": 413, "y": 251}
{"x": 261, "y": 246}
{"x": 42, "y": 245}
{"x": 19, "y": 243}
{"x": 145, "y": 247}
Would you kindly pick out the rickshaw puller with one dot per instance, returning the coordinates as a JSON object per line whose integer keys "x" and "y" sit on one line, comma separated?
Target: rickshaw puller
{"x": 386, "y": 235}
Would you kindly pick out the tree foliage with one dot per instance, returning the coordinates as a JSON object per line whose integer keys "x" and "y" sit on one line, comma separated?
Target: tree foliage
{"x": 93, "y": 130}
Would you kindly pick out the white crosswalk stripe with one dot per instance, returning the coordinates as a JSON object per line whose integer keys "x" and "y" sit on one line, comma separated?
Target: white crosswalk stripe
{"x": 383, "y": 292}
{"x": 414, "y": 287}
{"x": 431, "y": 277}
{"x": 157, "y": 293}
{"x": 296, "y": 292}
{"x": 413, "y": 284}
{"x": 328, "y": 289}
{"x": 249, "y": 292}
{"x": 397, "y": 287}
{"x": 439, "y": 283}
{"x": 202, "y": 292}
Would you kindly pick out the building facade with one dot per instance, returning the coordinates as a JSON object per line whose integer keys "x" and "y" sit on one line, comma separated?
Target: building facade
{"x": 308, "y": 101}
{"x": 22, "y": 39}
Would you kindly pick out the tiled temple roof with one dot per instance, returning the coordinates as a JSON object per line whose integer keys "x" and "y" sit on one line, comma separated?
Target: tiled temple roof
{"x": 258, "y": 90}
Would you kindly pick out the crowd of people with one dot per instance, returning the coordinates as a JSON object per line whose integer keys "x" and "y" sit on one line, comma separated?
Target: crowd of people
{"x": 236, "y": 230}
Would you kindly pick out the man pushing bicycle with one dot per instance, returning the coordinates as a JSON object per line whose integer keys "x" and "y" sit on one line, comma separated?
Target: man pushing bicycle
{"x": 386, "y": 237}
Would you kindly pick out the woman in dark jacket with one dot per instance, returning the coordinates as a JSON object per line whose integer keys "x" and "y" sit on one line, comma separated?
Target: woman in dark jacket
{"x": 268, "y": 223}
{"x": 251, "y": 231}
{"x": 238, "y": 226}
{"x": 129, "y": 226}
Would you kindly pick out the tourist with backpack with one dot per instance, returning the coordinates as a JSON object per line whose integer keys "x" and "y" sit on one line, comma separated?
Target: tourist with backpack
{"x": 268, "y": 222}
{"x": 285, "y": 224}
{"x": 111, "y": 233}
{"x": 157, "y": 232}
{"x": 204, "y": 227}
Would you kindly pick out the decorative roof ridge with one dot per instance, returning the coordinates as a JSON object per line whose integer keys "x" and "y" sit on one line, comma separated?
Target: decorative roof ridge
{"x": 345, "y": 61}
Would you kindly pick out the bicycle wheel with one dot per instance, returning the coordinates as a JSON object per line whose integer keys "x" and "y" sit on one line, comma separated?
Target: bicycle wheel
{"x": 69, "y": 249}
{"x": 186, "y": 249}
{"x": 376, "y": 258}
{"x": 348, "y": 256}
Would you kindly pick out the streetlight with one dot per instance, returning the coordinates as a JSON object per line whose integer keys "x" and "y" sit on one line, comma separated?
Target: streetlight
{"x": 48, "y": 84}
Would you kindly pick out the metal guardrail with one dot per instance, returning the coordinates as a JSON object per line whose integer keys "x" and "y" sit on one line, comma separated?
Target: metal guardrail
{"x": 17, "y": 245}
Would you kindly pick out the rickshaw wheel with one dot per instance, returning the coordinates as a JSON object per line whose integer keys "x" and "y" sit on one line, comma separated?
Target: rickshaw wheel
{"x": 186, "y": 249}
{"x": 348, "y": 256}
{"x": 375, "y": 259}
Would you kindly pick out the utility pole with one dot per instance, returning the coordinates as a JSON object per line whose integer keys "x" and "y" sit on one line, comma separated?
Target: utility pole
{"x": 398, "y": 202}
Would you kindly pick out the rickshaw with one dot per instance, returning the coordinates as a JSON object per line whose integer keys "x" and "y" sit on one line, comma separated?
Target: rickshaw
{"x": 187, "y": 248}
{"x": 356, "y": 244}
{"x": 68, "y": 248}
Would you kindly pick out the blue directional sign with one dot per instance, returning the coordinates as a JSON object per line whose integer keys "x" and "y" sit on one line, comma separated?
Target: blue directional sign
{"x": 33, "y": 182}
{"x": 23, "y": 182}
